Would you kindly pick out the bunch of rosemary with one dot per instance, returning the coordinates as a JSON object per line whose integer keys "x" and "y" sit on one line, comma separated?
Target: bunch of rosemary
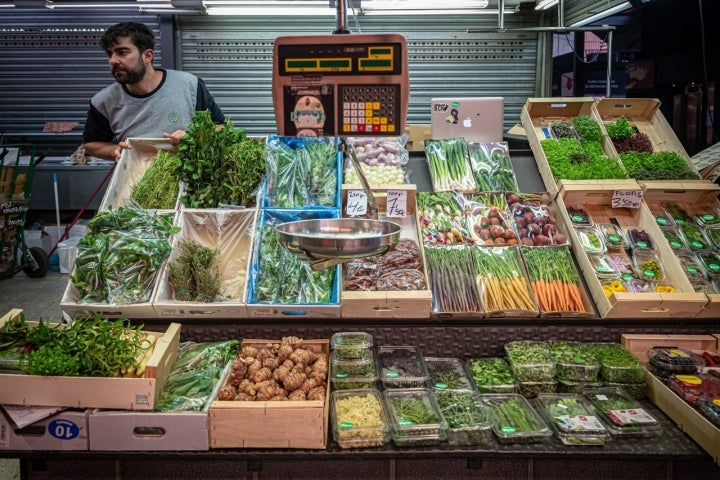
{"x": 194, "y": 274}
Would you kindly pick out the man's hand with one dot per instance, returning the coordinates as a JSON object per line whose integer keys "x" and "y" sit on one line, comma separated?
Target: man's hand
{"x": 174, "y": 137}
{"x": 105, "y": 150}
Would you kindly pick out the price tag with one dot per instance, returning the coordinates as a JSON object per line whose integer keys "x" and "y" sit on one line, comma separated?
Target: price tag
{"x": 356, "y": 203}
{"x": 396, "y": 203}
{"x": 627, "y": 198}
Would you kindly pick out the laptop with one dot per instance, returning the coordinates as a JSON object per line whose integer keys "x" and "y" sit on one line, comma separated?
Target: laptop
{"x": 476, "y": 119}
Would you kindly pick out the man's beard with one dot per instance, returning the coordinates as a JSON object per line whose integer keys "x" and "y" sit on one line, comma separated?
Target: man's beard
{"x": 131, "y": 76}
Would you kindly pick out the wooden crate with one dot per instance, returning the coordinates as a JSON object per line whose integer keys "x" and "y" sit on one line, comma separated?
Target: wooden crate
{"x": 537, "y": 115}
{"x": 597, "y": 201}
{"x": 390, "y": 304}
{"x": 133, "y": 164}
{"x": 64, "y": 431}
{"x": 689, "y": 420}
{"x": 638, "y": 344}
{"x": 691, "y": 196}
{"x": 291, "y": 424}
{"x": 230, "y": 231}
{"x": 94, "y": 392}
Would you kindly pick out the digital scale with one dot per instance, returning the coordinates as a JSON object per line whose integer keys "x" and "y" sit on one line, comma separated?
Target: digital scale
{"x": 341, "y": 85}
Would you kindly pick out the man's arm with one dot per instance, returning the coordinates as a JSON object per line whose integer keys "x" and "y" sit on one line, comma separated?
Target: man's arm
{"x": 205, "y": 101}
{"x": 98, "y": 137}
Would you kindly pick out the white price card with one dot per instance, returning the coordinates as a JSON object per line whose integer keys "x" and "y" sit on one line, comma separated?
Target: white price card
{"x": 396, "y": 203}
{"x": 356, "y": 205}
{"x": 627, "y": 198}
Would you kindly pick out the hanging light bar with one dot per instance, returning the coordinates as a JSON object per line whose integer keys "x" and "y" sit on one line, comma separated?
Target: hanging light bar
{"x": 545, "y": 4}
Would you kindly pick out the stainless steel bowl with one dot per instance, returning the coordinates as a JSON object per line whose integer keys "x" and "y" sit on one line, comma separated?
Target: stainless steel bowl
{"x": 338, "y": 238}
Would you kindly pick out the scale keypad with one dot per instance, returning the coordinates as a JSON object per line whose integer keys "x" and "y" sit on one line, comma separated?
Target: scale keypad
{"x": 369, "y": 109}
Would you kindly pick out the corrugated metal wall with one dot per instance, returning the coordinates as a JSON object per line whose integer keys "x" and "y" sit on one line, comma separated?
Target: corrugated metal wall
{"x": 51, "y": 64}
{"x": 234, "y": 56}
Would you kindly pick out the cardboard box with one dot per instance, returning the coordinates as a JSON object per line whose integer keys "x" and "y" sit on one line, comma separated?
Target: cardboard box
{"x": 417, "y": 134}
{"x": 254, "y": 424}
{"x": 597, "y": 201}
{"x": 231, "y": 233}
{"x": 294, "y": 311}
{"x": 537, "y": 116}
{"x": 94, "y": 392}
{"x": 64, "y": 431}
{"x": 133, "y": 164}
{"x": 390, "y": 304}
{"x": 693, "y": 197}
{"x": 639, "y": 344}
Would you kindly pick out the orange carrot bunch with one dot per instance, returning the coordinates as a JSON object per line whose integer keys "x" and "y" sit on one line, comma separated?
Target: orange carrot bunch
{"x": 554, "y": 279}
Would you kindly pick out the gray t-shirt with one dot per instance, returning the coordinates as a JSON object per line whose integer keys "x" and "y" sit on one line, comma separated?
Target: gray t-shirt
{"x": 115, "y": 114}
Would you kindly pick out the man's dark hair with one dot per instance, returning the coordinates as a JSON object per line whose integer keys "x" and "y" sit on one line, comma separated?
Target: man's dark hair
{"x": 140, "y": 35}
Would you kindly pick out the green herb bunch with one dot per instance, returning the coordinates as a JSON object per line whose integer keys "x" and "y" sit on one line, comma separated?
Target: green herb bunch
{"x": 159, "y": 186}
{"x": 573, "y": 159}
{"x": 194, "y": 274}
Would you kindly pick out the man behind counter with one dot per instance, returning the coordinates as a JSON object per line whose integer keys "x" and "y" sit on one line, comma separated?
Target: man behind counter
{"x": 145, "y": 102}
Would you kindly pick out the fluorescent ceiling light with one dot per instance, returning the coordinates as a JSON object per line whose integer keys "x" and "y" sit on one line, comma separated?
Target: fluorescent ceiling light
{"x": 603, "y": 14}
{"x": 270, "y": 10}
{"x": 128, "y": 4}
{"x": 545, "y": 4}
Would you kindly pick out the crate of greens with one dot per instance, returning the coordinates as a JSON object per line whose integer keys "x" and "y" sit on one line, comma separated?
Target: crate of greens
{"x": 415, "y": 418}
{"x": 514, "y": 420}
{"x": 302, "y": 173}
{"x": 180, "y": 417}
{"x": 491, "y": 375}
{"x": 206, "y": 273}
{"x": 91, "y": 363}
{"x": 449, "y": 164}
{"x": 468, "y": 420}
{"x": 280, "y": 284}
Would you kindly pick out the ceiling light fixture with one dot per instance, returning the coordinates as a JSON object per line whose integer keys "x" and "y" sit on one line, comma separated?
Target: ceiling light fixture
{"x": 545, "y": 4}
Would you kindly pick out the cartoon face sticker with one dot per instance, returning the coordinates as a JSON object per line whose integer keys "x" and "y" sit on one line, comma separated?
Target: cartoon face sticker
{"x": 453, "y": 117}
{"x": 308, "y": 114}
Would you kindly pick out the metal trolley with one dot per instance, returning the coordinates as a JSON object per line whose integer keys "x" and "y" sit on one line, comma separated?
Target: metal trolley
{"x": 15, "y": 187}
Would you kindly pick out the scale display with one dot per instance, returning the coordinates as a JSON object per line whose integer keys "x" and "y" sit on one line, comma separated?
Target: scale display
{"x": 340, "y": 85}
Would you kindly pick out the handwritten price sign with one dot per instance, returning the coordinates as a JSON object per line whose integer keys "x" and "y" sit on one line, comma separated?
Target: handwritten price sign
{"x": 356, "y": 203}
{"x": 627, "y": 198}
{"x": 396, "y": 203}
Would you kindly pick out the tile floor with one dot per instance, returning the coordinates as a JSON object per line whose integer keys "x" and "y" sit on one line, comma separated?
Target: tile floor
{"x": 38, "y": 298}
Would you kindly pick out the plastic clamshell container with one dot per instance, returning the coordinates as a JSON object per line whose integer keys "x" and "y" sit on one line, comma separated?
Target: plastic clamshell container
{"x": 401, "y": 366}
{"x": 694, "y": 386}
{"x": 358, "y": 418}
{"x": 617, "y": 365}
{"x": 635, "y": 390}
{"x": 572, "y": 419}
{"x": 408, "y": 432}
{"x": 675, "y": 360}
{"x": 639, "y": 239}
{"x": 635, "y": 285}
{"x": 694, "y": 237}
{"x": 675, "y": 239}
{"x": 710, "y": 408}
{"x": 573, "y": 361}
{"x": 533, "y": 389}
{"x": 711, "y": 263}
{"x": 491, "y": 375}
{"x": 362, "y": 367}
{"x": 590, "y": 240}
{"x": 351, "y": 345}
{"x": 662, "y": 217}
{"x": 574, "y": 386}
{"x": 692, "y": 266}
{"x": 622, "y": 414}
{"x": 524, "y": 425}
{"x": 530, "y": 360}
{"x": 613, "y": 236}
{"x": 447, "y": 374}
{"x": 622, "y": 263}
{"x": 579, "y": 217}
{"x": 649, "y": 265}
{"x": 603, "y": 266}
{"x": 468, "y": 420}
{"x": 677, "y": 214}
{"x": 713, "y": 235}
{"x": 706, "y": 215}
